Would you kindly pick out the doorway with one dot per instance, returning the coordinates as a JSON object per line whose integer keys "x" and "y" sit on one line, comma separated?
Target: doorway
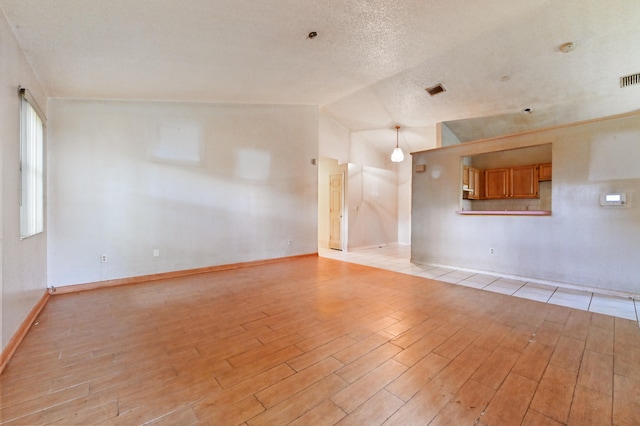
{"x": 332, "y": 204}
{"x": 336, "y": 207}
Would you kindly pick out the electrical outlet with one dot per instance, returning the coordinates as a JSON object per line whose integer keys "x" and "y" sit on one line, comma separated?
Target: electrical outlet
{"x": 290, "y": 241}
{"x": 104, "y": 259}
{"x": 492, "y": 250}
{"x": 156, "y": 252}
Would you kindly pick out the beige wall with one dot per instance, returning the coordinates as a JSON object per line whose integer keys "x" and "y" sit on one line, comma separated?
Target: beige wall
{"x": 581, "y": 243}
{"x": 22, "y": 263}
{"x": 205, "y": 184}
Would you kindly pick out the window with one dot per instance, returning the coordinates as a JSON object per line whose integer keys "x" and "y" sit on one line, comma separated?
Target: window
{"x": 31, "y": 167}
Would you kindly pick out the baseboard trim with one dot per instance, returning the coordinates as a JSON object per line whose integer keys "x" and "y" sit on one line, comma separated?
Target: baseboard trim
{"x": 22, "y": 331}
{"x": 167, "y": 275}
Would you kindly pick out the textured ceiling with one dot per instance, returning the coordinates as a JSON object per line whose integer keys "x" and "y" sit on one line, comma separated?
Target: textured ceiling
{"x": 368, "y": 66}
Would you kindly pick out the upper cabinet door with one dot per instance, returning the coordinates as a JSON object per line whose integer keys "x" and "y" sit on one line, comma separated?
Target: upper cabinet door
{"x": 524, "y": 182}
{"x": 512, "y": 182}
{"x": 496, "y": 183}
{"x": 544, "y": 172}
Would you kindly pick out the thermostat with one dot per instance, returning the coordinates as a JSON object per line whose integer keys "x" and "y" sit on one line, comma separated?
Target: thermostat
{"x": 613, "y": 199}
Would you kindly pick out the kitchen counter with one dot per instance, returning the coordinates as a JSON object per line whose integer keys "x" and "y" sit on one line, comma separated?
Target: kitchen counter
{"x": 505, "y": 212}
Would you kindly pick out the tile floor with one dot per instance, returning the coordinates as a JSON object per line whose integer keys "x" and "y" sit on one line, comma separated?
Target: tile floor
{"x": 396, "y": 258}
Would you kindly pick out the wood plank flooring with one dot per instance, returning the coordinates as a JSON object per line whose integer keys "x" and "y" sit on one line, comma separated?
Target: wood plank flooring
{"x": 315, "y": 341}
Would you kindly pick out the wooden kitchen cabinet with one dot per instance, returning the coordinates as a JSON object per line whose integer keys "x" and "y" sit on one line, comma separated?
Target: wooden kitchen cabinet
{"x": 524, "y": 182}
{"x": 496, "y": 184}
{"x": 544, "y": 172}
{"x": 470, "y": 183}
{"x": 511, "y": 182}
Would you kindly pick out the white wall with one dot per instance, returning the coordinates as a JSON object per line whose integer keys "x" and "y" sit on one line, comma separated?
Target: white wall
{"x": 404, "y": 200}
{"x": 364, "y": 153}
{"x": 22, "y": 263}
{"x": 334, "y": 139}
{"x": 581, "y": 243}
{"x": 372, "y": 205}
{"x": 372, "y": 199}
{"x": 205, "y": 184}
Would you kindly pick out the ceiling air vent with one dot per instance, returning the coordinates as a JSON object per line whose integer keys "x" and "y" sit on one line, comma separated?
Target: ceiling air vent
{"x": 434, "y": 90}
{"x": 629, "y": 80}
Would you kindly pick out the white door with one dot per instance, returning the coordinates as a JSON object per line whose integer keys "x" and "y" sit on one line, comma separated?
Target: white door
{"x": 336, "y": 191}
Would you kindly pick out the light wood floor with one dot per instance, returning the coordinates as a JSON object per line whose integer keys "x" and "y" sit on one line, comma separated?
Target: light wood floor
{"x": 316, "y": 341}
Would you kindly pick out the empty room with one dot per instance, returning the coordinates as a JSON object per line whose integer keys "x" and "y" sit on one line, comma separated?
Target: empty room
{"x": 316, "y": 213}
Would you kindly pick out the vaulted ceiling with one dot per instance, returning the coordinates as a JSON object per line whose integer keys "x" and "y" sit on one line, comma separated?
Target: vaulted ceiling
{"x": 368, "y": 66}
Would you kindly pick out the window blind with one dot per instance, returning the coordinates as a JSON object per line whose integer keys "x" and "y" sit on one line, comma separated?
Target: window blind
{"x": 31, "y": 167}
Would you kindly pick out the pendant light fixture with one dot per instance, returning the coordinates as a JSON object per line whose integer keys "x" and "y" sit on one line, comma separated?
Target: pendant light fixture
{"x": 397, "y": 155}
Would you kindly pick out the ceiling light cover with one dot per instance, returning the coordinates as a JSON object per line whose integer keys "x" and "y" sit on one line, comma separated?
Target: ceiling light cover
{"x": 397, "y": 156}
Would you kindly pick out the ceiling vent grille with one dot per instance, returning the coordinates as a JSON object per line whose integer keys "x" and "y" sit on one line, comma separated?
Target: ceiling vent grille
{"x": 434, "y": 90}
{"x": 629, "y": 80}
